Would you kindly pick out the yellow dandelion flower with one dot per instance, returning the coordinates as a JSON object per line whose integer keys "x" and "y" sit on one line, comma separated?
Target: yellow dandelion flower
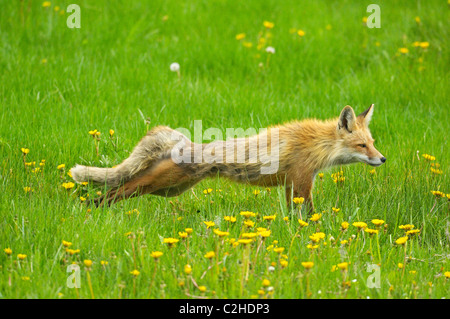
{"x": 360, "y": 225}
{"x": 87, "y": 262}
{"x": 202, "y": 288}
{"x": 301, "y": 33}
{"x": 111, "y": 133}
{"x": 278, "y": 250}
{"x": 268, "y": 24}
{"x": 68, "y": 185}
{"x": 182, "y": 234}
{"x": 8, "y": 251}
{"x": 307, "y": 264}
{"x": 187, "y": 269}
{"x": 230, "y": 219}
{"x": 335, "y": 209}
{"x": 135, "y": 272}
{"x": 298, "y": 200}
{"x": 209, "y": 224}
{"x": 170, "y": 241}
{"x": 247, "y": 214}
{"x": 247, "y": 44}
{"x": 244, "y": 241}
{"x": 270, "y": 217}
{"x": 249, "y": 223}
{"x": 21, "y": 256}
{"x": 403, "y": 50}
{"x": 377, "y": 222}
{"x": 406, "y": 227}
{"x": 188, "y": 230}
{"x": 315, "y": 217}
{"x": 240, "y": 36}
{"x": 66, "y": 243}
{"x": 46, "y": 4}
{"x": 210, "y": 255}
{"x": 343, "y": 266}
{"x": 156, "y": 254}
{"x": 345, "y": 225}
{"x": 266, "y": 283}
{"x": 402, "y": 240}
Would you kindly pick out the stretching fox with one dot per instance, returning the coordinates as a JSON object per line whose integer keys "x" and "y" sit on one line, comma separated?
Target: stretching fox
{"x": 299, "y": 151}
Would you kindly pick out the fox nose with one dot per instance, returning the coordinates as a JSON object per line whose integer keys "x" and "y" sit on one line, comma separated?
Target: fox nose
{"x": 383, "y": 159}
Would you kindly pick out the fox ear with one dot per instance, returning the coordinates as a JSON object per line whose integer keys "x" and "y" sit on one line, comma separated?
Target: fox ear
{"x": 366, "y": 116}
{"x": 347, "y": 119}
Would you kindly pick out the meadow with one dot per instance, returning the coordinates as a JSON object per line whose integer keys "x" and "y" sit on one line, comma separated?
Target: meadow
{"x": 376, "y": 233}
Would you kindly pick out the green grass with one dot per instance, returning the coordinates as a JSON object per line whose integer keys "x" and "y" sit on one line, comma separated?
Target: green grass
{"x": 104, "y": 75}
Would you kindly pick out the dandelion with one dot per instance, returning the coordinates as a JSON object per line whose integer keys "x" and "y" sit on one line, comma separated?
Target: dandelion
{"x": 364, "y": 20}
{"x": 249, "y": 223}
{"x": 240, "y": 36}
{"x": 270, "y": 50}
{"x": 230, "y": 219}
{"x": 400, "y": 265}
{"x": 335, "y": 209}
{"x": 377, "y": 222}
{"x": 424, "y": 45}
{"x": 301, "y": 33}
{"x": 111, "y": 132}
{"x": 438, "y": 194}
{"x": 61, "y": 166}
{"x": 315, "y": 217}
{"x": 401, "y": 240}
{"x": 244, "y": 241}
{"x": 21, "y": 256}
{"x": 417, "y": 19}
{"x": 278, "y": 250}
{"x": 345, "y": 225}
{"x": 103, "y": 263}
{"x": 360, "y": 225}
{"x": 87, "y": 263}
{"x": 302, "y": 223}
{"x": 46, "y": 4}
{"x": 447, "y": 274}
{"x": 207, "y": 191}
{"x": 68, "y": 185}
{"x": 406, "y": 227}
{"x": 66, "y": 243}
{"x": 403, "y": 50}
{"x": 202, "y": 288}
{"x": 209, "y": 224}
{"x": 221, "y": 233}
{"x": 187, "y": 269}
{"x": 247, "y": 214}
{"x": 307, "y": 264}
{"x": 413, "y": 232}
{"x": 175, "y": 67}
{"x": 298, "y": 200}
{"x": 210, "y": 255}
{"x": 182, "y": 234}
{"x": 135, "y": 272}
{"x": 268, "y": 24}
{"x": 248, "y": 45}
{"x": 170, "y": 241}
{"x": 156, "y": 254}
{"x": 256, "y": 192}
{"x": 27, "y": 189}
{"x": 266, "y": 283}
{"x": 188, "y": 230}
{"x": 343, "y": 266}
{"x": 270, "y": 217}
{"x": 8, "y": 251}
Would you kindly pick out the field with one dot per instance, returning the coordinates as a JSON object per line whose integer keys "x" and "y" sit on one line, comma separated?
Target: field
{"x": 59, "y": 84}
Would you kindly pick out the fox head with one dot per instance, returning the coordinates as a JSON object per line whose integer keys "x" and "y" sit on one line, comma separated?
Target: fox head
{"x": 357, "y": 142}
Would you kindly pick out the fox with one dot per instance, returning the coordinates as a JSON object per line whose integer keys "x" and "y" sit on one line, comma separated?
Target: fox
{"x": 300, "y": 150}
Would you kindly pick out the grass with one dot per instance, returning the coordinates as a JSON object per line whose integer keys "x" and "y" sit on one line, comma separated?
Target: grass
{"x": 56, "y": 84}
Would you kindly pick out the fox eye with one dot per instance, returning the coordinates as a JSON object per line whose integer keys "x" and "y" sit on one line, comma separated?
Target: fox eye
{"x": 362, "y": 145}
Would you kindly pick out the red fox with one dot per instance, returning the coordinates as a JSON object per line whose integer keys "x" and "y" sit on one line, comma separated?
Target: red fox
{"x": 298, "y": 152}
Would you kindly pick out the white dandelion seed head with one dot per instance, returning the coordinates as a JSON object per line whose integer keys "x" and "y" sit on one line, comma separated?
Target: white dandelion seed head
{"x": 271, "y": 268}
{"x": 175, "y": 67}
{"x": 270, "y": 50}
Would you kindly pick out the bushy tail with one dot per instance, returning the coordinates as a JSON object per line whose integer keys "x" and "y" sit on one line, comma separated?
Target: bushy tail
{"x": 109, "y": 176}
{"x": 155, "y": 146}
